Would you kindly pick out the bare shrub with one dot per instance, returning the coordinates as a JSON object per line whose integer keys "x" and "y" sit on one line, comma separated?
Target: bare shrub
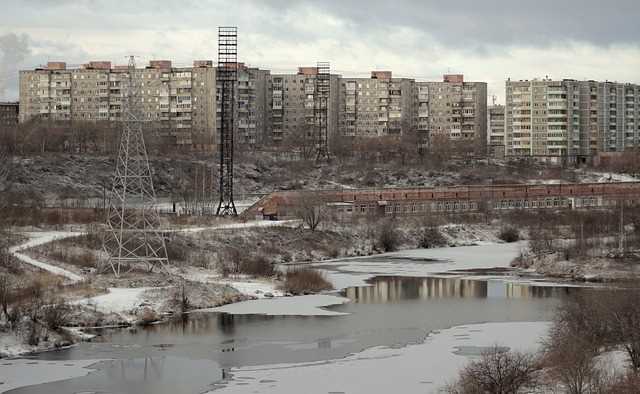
{"x": 431, "y": 237}
{"x": 56, "y": 314}
{"x": 388, "y": 236}
{"x": 180, "y": 299}
{"x": 571, "y": 361}
{"x": 257, "y": 266}
{"x": 305, "y": 280}
{"x": 627, "y": 384}
{"x": 497, "y": 371}
{"x": 509, "y": 234}
{"x": 229, "y": 261}
{"x": 5, "y": 290}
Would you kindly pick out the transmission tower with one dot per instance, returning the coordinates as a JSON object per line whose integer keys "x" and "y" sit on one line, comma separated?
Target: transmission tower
{"x": 322, "y": 91}
{"x": 226, "y": 78}
{"x": 133, "y": 224}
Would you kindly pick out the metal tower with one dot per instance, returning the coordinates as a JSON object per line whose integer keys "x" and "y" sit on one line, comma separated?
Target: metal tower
{"x": 133, "y": 224}
{"x": 322, "y": 91}
{"x": 226, "y": 78}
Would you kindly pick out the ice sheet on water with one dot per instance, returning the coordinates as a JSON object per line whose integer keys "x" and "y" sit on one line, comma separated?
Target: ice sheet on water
{"x": 309, "y": 305}
{"x": 422, "y": 368}
{"x": 21, "y": 373}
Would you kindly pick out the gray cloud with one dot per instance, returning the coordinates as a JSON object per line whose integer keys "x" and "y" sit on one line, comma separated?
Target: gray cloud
{"x": 473, "y": 23}
{"x": 487, "y": 40}
{"x": 13, "y": 50}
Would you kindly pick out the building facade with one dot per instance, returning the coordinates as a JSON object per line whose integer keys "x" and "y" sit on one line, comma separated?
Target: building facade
{"x": 178, "y": 100}
{"x": 9, "y": 113}
{"x": 377, "y": 106}
{"x": 495, "y": 142}
{"x": 454, "y": 108}
{"x": 570, "y": 120}
{"x": 292, "y": 103}
{"x": 252, "y": 100}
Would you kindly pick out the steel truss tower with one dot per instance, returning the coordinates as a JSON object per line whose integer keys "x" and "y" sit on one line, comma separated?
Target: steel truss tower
{"x": 322, "y": 91}
{"x": 133, "y": 224}
{"x": 226, "y": 78}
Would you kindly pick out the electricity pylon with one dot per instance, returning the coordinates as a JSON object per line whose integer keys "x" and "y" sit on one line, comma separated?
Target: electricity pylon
{"x": 133, "y": 224}
{"x": 226, "y": 79}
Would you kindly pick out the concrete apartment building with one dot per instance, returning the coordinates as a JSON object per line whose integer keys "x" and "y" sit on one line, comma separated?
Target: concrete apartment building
{"x": 569, "y": 120}
{"x": 292, "y": 101}
{"x": 495, "y": 143}
{"x": 377, "y": 106}
{"x": 9, "y": 113}
{"x": 178, "y": 100}
{"x": 453, "y": 108}
{"x": 252, "y": 98}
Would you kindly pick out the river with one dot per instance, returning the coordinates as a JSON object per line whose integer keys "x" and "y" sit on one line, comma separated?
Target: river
{"x": 210, "y": 351}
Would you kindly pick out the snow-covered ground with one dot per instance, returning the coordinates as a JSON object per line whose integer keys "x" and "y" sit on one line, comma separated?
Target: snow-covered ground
{"x": 40, "y": 238}
{"x": 116, "y": 300}
{"x": 309, "y": 305}
{"x": 21, "y": 373}
{"x": 422, "y": 368}
{"x": 250, "y": 224}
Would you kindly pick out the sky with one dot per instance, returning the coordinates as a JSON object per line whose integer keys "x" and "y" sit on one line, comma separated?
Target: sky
{"x": 489, "y": 40}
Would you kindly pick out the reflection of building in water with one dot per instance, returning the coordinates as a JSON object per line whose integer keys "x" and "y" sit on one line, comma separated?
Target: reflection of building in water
{"x": 392, "y": 289}
{"x": 385, "y": 289}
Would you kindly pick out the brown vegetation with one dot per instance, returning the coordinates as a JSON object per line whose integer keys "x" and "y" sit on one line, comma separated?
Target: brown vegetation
{"x": 498, "y": 371}
{"x": 305, "y": 280}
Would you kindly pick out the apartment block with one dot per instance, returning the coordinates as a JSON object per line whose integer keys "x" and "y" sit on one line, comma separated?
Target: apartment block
{"x": 178, "y": 101}
{"x": 377, "y": 106}
{"x": 292, "y": 102}
{"x": 251, "y": 96}
{"x": 453, "y": 108}
{"x": 496, "y": 147}
{"x": 570, "y": 120}
{"x": 9, "y": 113}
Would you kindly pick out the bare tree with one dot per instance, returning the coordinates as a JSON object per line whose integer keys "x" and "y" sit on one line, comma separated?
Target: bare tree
{"x": 5, "y": 294}
{"x": 311, "y": 209}
{"x": 497, "y": 371}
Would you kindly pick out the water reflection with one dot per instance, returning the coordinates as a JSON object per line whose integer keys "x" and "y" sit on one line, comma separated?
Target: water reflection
{"x": 394, "y": 289}
{"x": 149, "y": 375}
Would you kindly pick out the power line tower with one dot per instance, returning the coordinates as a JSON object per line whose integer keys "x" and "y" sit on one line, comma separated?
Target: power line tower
{"x": 133, "y": 224}
{"x": 322, "y": 91}
{"x": 226, "y": 78}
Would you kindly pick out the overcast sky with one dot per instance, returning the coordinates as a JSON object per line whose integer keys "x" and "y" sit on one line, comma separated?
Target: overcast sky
{"x": 488, "y": 40}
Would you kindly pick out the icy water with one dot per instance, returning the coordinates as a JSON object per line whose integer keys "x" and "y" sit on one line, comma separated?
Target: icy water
{"x": 193, "y": 354}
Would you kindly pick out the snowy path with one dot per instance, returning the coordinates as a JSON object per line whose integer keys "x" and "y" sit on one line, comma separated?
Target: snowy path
{"x": 40, "y": 238}
{"x": 423, "y": 368}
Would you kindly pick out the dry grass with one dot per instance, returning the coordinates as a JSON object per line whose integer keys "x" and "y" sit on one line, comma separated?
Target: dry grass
{"x": 305, "y": 280}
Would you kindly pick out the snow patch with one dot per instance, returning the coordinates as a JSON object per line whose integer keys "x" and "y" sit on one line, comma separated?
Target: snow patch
{"x": 117, "y": 300}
